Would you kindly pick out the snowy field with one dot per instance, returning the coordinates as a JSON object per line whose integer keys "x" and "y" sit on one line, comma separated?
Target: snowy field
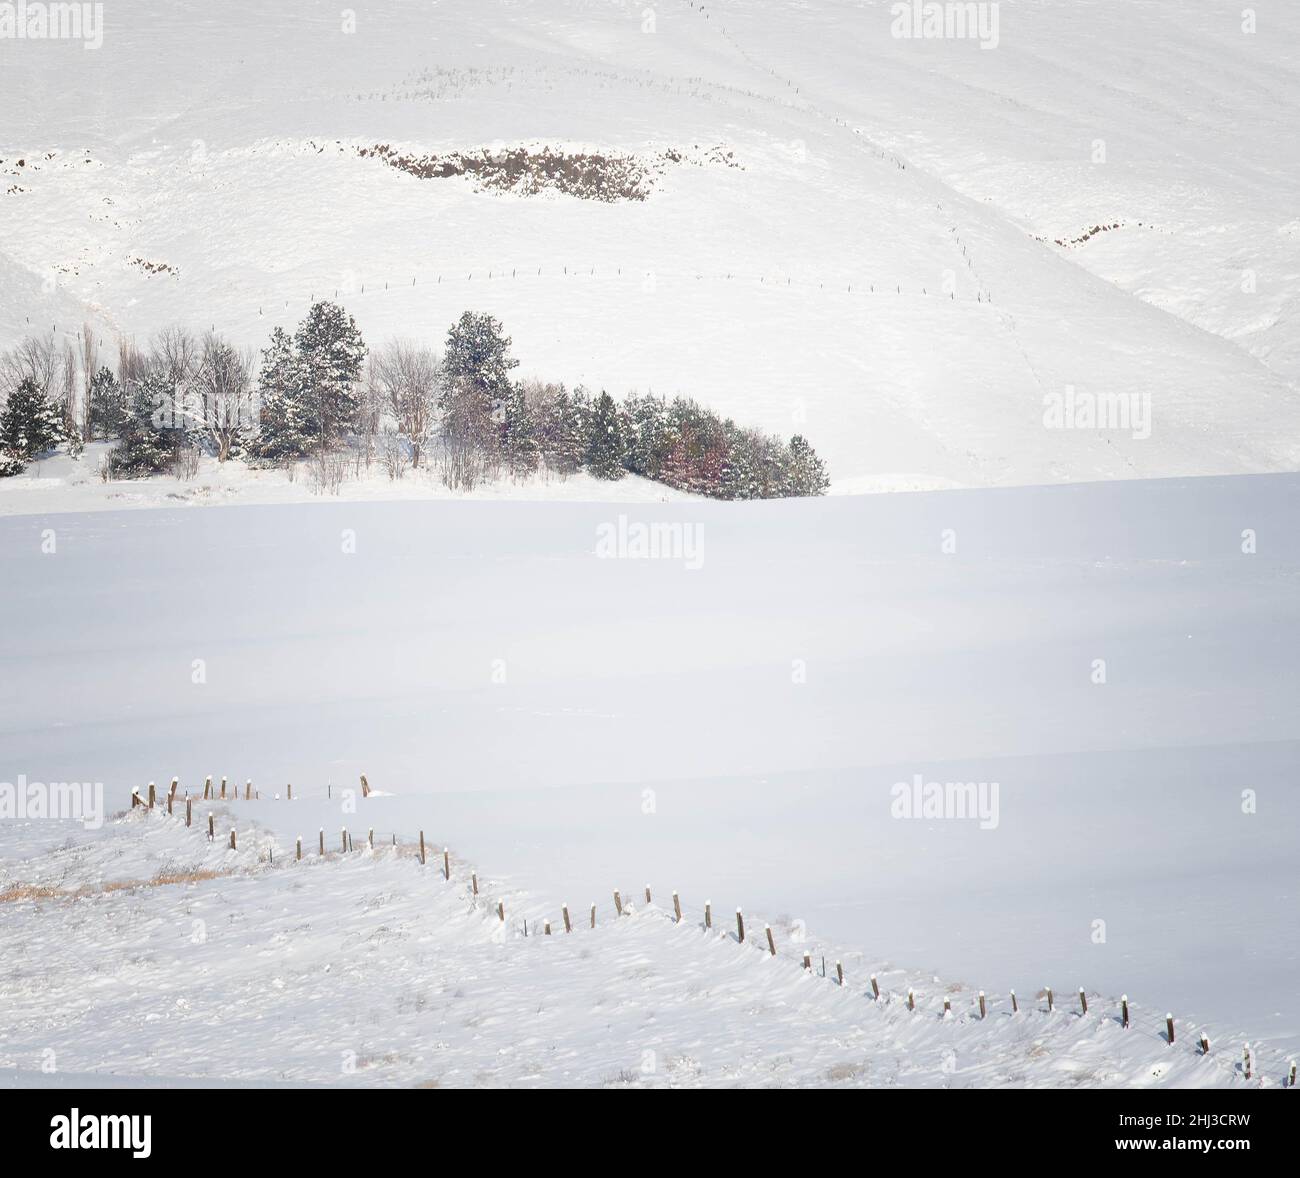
{"x": 571, "y": 725}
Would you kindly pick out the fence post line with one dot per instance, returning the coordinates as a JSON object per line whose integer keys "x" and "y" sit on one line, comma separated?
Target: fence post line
{"x": 568, "y": 927}
{"x": 771, "y": 944}
{"x": 740, "y": 926}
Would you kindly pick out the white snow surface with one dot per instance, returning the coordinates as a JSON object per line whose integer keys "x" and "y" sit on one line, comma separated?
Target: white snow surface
{"x": 569, "y": 725}
{"x": 804, "y": 289}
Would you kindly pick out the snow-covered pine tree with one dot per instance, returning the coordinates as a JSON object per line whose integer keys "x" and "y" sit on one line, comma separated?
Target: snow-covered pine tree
{"x": 284, "y": 431}
{"x": 478, "y": 351}
{"x": 108, "y": 405}
{"x": 31, "y": 422}
{"x": 329, "y": 354}
{"x": 152, "y": 435}
{"x": 520, "y": 444}
{"x": 606, "y": 446}
{"x": 805, "y": 473}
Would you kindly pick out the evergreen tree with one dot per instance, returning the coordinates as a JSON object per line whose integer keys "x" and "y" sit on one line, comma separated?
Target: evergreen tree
{"x": 284, "y": 430}
{"x": 31, "y": 422}
{"x": 805, "y": 473}
{"x": 605, "y": 441}
{"x": 329, "y": 356}
{"x": 478, "y": 352}
{"x": 152, "y": 434}
{"x": 520, "y": 433}
{"x": 108, "y": 405}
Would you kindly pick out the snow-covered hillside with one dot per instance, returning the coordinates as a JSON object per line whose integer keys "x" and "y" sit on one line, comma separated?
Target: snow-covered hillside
{"x": 846, "y": 233}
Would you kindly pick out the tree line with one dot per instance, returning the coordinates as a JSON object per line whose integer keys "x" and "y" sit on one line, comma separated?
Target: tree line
{"x": 320, "y": 395}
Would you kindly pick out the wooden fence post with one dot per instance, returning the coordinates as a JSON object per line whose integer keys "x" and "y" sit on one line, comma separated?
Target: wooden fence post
{"x": 299, "y": 848}
{"x": 1169, "y": 1026}
{"x": 839, "y": 972}
{"x": 1015, "y": 1005}
{"x": 593, "y": 914}
{"x": 135, "y": 796}
{"x": 232, "y": 838}
{"x": 189, "y": 811}
{"x": 677, "y": 907}
{"x": 568, "y": 927}
{"x": 911, "y": 998}
{"x": 807, "y": 960}
{"x": 740, "y": 926}
{"x": 501, "y": 911}
{"x": 223, "y": 789}
{"x": 212, "y": 829}
{"x": 152, "y": 797}
{"x": 771, "y": 944}
{"x": 289, "y": 788}
{"x": 365, "y": 787}
{"x": 984, "y": 1010}
{"x": 546, "y": 928}
{"x": 1123, "y": 1011}
{"x": 618, "y": 903}
{"x": 207, "y": 787}
{"x": 248, "y": 789}
{"x": 343, "y": 840}
{"x": 171, "y": 797}
{"x": 647, "y": 893}
{"x": 473, "y": 882}
{"x": 421, "y": 848}
{"x": 708, "y": 914}
{"x": 175, "y": 783}
{"x": 1246, "y": 1061}
{"x": 1291, "y": 1077}
{"x": 1083, "y": 1001}
{"x": 370, "y": 838}
{"x": 1205, "y": 1044}
{"x": 446, "y": 864}
{"x": 1050, "y": 1000}
{"x": 322, "y": 840}
{"x": 875, "y": 988}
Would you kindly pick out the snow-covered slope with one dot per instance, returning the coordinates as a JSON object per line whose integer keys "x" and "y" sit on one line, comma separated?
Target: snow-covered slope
{"x": 819, "y": 259}
{"x": 244, "y": 966}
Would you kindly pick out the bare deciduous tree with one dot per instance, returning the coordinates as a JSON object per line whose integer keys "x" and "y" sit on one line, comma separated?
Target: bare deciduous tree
{"x": 223, "y": 386}
{"x": 408, "y": 375}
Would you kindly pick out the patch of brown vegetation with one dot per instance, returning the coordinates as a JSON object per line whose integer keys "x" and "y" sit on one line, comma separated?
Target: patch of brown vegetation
{"x": 16, "y": 892}
{"x": 604, "y": 176}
